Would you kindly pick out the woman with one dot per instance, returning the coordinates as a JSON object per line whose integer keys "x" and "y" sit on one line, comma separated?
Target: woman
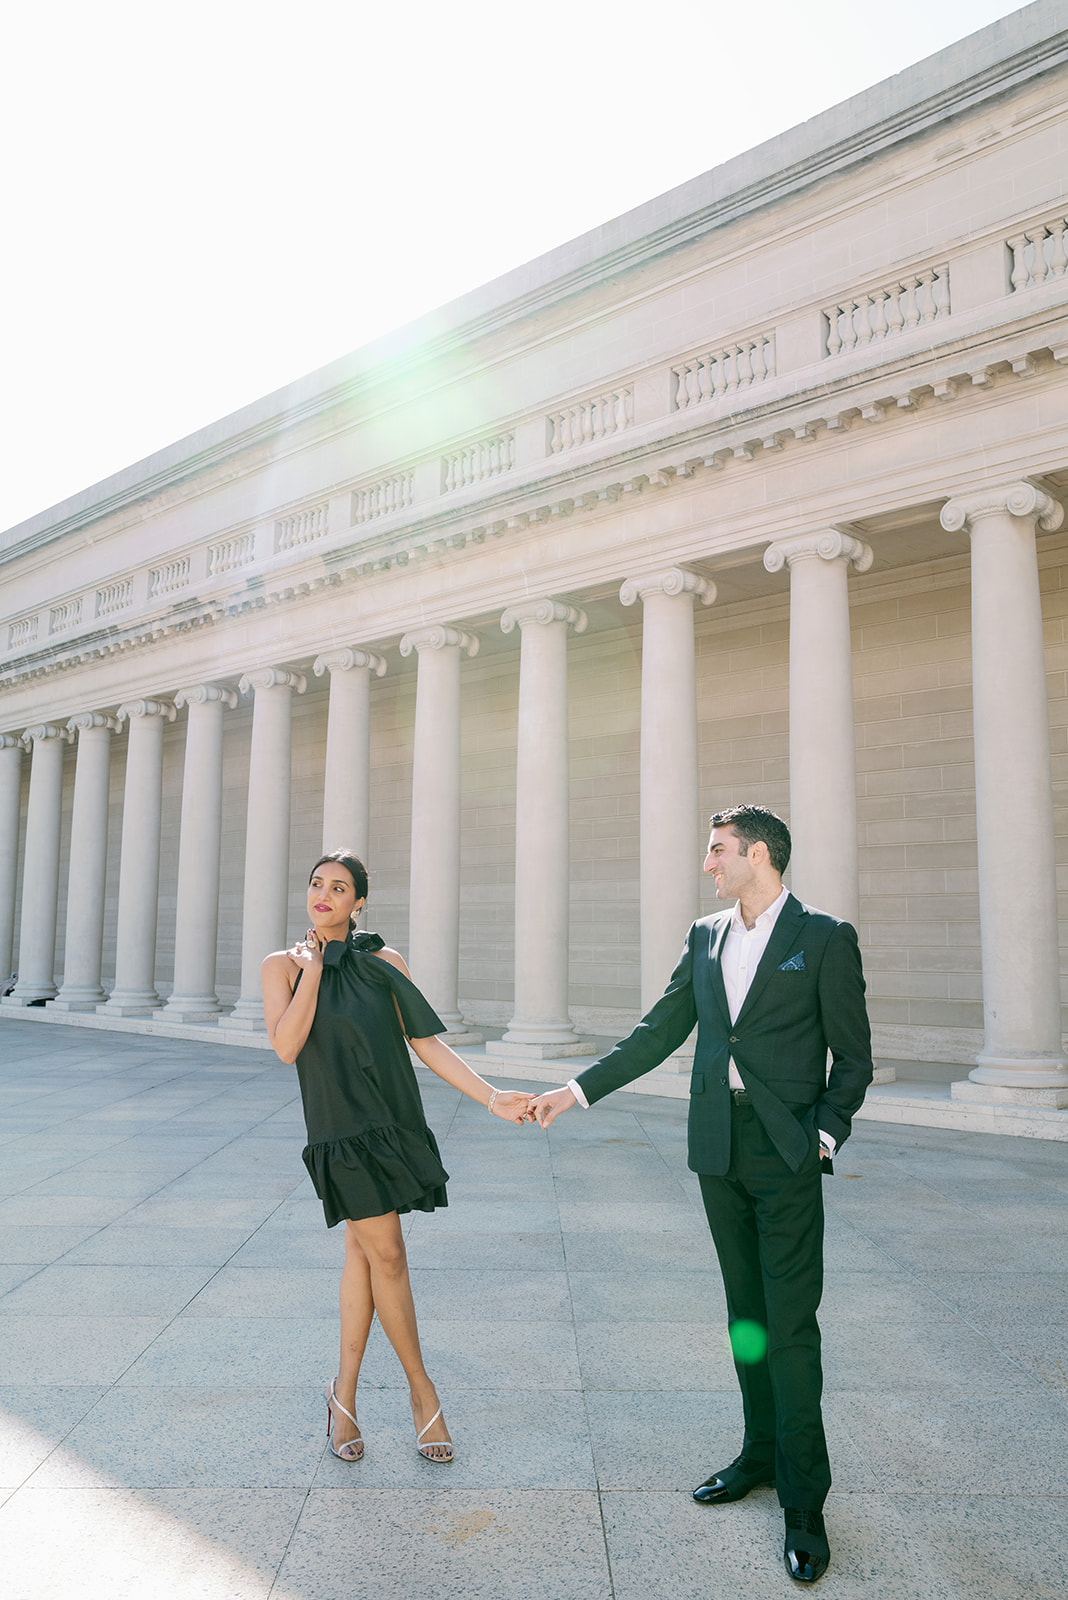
{"x": 340, "y": 1005}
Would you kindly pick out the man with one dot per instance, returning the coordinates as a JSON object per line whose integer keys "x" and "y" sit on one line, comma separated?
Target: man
{"x": 772, "y": 986}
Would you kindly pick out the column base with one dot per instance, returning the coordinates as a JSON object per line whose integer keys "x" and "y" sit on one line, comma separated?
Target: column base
{"x": 130, "y": 1004}
{"x": 30, "y": 996}
{"x": 528, "y": 1050}
{"x": 77, "y": 1000}
{"x": 461, "y": 1035}
{"x": 1009, "y": 1094}
{"x": 1025, "y": 1072}
{"x": 191, "y": 1008}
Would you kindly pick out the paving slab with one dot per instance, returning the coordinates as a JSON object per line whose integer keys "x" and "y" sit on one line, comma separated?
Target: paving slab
{"x": 168, "y": 1319}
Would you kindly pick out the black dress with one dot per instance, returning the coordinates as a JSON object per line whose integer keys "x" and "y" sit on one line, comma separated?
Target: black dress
{"x": 369, "y": 1149}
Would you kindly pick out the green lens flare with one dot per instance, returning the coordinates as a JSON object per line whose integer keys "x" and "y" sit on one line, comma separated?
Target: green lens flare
{"x": 749, "y": 1341}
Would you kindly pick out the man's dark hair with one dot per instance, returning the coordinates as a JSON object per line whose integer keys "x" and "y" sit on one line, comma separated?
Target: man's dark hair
{"x": 754, "y": 825}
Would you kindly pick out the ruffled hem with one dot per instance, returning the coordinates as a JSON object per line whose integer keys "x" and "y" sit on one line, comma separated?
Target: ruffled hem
{"x": 384, "y": 1169}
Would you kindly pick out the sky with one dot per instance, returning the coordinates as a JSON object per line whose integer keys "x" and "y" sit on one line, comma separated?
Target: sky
{"x": 202, "y": 202}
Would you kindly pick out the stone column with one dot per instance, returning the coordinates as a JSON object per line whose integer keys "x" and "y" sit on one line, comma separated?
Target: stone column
{"x": 40, "y": 872}
{"x": 196, "y": 924}
{"x": 541, "y": 1027}
{"x": 670, "y": 829}
{"x": 84, "y": 944}
{"x": 134, "y": 994}
{"x": 1022, "y": 1058}
{"x": 434, "y": 897}
{"x": 823, "y": 753}
{"x": 266, "y": 902}
{"x": 10, "y": 807}
{"x": 346, "y": 779}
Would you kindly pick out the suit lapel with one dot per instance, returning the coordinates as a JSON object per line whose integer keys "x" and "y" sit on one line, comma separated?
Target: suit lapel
{"x": 788, "y": 925}
{"x": 716, "y": 936}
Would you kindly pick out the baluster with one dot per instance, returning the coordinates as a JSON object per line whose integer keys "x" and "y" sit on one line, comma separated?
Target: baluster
{"x": 911, "y": 309}
{"x": 730, "y": 370}
{"x": 759, "y": 365}
{"x": 1020, "y": 274}
{"x": 834, "y": 337}
{"x": 849, "y": 327}
{"x": 586, "y": 422}
{"x": 719, "y": 369}
{"x": 895, "y": 316}
{"x": 1058, "y": 259}
{"x": 925, "y": 301}
{"x": 600, "y": 421}
{"x": 745, "y": 367}
{"x": 1039, "y": 269}
{"x": 878, "y": 314}
{"x": 863, "y": 319}
{"x": 940, "y": 293}
{"x": 566, "y": 439}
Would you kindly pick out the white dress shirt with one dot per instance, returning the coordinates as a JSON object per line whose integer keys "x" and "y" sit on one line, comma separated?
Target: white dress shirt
{"x": 739, "y": 957}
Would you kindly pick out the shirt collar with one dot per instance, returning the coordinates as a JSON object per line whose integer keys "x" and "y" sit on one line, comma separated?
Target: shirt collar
{"x": 766, "y": 920}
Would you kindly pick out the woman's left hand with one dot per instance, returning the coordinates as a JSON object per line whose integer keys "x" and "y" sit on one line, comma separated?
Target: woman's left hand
{"x": 513, "y": 1105}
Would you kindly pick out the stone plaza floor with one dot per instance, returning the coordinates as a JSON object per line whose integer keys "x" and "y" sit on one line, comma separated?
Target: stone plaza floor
{"x": 168, "y": 1321}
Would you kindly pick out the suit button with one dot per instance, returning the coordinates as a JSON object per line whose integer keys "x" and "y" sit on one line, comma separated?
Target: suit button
{"x": 723, "y": 1080}
{"x": 733, "y": 1039}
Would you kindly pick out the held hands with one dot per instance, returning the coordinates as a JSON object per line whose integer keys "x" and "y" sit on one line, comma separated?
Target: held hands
{"x": 545, "y": 1108}
{"x": 513, "y": 1106}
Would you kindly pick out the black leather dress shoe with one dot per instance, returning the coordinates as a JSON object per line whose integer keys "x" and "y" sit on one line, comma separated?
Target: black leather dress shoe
{"x": 806, "y": 1553}
{"x": 734, "y": 1482}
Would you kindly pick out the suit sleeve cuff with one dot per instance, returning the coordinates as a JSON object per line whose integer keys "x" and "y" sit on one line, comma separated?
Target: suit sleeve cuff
{"x": 577, "y": 1092}
{"x": 828, "y": 1143}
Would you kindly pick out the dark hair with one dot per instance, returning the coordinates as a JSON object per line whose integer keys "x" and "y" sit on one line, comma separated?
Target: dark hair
{"x": 356, "y": 869}
{"x": 758, "y": 825}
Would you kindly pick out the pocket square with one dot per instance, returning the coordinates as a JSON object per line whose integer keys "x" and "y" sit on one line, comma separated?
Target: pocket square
{"x": 795, "y": 963}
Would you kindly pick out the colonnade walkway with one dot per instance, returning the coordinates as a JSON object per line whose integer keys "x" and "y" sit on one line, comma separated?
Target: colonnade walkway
{"x": 167, "y": 1323}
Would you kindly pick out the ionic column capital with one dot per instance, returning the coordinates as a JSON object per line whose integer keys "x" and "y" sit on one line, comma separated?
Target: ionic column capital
{"x": 92, "y": 719}
{"x": 828, "y": 544}
{"x": 43, "y": 731}
{"x": 438, "y": 637}
{"x": 543, "y": 611}
{"x": 146, "y": 708}
{"x": 200, "y": 694}
{"x": 347, "y": 659}
{"x": 273, "y": 678}
{"x": 671, "y": 581}
{"x": 1021, "y": 499}
{"x": 11, "y": 741}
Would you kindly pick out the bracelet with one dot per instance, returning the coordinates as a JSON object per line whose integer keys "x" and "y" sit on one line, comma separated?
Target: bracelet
{"x": 489, "y": 1103}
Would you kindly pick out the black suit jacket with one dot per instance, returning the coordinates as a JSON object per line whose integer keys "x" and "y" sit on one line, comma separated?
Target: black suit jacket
{"x": 806, "y": 997}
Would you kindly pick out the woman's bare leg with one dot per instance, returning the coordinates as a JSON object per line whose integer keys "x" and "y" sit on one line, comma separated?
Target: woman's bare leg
{"x": 382, "y": 1244}
{"x": 357, "y": 1310}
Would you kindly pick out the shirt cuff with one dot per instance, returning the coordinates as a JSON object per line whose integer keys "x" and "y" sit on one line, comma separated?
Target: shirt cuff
{"x": 579, "y": 1096}
{"x": 828, "y": 1143}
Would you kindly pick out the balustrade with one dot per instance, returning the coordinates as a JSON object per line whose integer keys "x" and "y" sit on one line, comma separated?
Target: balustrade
{"x": 877, "y": 314}
{"x": 596, "y": 418}
{"x": 229, "y": 554}
{"x": 379, "y": 499}
{"x": 1038, "y": 254}
{"x": 68, "y": 614}
{"x": 301, "y": 528}
{"x": 476, "y": 463}
{"x": 24, "y": 631}
{"x": 723, "y": 370}
{"x": 114, "y": 597}
{"x": 172, "y": 575}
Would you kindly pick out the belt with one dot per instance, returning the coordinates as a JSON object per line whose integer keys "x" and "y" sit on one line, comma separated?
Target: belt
{"x": 741, "y": 1097}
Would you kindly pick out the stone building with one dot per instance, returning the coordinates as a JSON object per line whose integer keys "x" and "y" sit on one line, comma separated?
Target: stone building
{"x": 755, "y": 492}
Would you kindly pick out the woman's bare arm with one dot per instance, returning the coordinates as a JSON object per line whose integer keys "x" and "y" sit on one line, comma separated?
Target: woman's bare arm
{"x": 289, "y": 1012}
{"x": 510, "y": 1104}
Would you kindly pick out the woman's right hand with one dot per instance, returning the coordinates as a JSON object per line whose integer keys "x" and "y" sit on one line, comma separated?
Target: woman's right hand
{"x": 308, "y": 952}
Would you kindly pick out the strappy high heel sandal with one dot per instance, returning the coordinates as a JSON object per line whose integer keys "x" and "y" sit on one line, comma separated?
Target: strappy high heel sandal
{"x": 352, "y": 1449}
{"x": 444, "y": 1444}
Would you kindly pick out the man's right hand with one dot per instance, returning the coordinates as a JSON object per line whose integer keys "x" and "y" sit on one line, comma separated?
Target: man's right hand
{"x": 547, "y": 1107}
